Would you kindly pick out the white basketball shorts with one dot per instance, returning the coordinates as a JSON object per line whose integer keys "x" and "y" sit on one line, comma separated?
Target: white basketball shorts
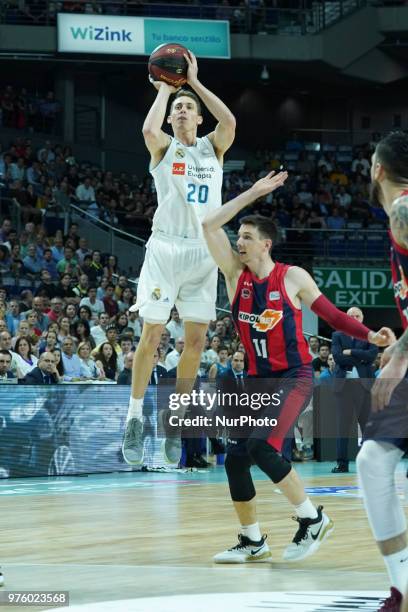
{"x": 180, "y": 272}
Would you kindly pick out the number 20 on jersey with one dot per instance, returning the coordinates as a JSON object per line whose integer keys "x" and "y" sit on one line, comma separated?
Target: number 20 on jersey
{"x": 197, "y": 194}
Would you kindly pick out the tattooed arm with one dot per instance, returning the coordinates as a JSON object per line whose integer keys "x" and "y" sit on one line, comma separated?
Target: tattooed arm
{"x": 399, "y": 221}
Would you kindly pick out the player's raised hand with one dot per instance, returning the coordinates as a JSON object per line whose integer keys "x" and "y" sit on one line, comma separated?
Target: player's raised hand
{"x": 269, "y": 183}
{"x": 161, "y": 84}
{"x": 192, "y": 70}
{"x": 384, "y": 337}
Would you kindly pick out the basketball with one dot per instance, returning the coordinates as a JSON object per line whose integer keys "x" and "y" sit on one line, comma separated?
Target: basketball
{"x": 167, "y": 63}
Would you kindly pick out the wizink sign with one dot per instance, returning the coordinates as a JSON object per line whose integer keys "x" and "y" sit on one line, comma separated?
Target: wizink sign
{"x": 100, "y": 34}
{"x": 139, "y": 36}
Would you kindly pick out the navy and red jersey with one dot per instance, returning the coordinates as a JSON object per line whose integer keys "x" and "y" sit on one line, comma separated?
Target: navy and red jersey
{"x": 268, "y": 323}
{"x": 399, "y": 272}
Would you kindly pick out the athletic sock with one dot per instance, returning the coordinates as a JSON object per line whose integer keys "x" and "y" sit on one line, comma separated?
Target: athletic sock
{"x": 306, "y": 509}
{"x": 397, "y": 567}
{"x": 252, "y": 532}
{"x": 135, "y": 409}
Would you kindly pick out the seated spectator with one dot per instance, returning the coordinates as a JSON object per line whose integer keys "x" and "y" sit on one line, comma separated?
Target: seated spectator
{"x": 55, "y": 311}
{"x": 95, "y": 271}
{"x": 58, "y": 248}
{"x": 212, "y": 352}
{"x": 175, "y": 326}
{"x": 33, "y": 264}
{"x": 64, "y": 328}
{"x": 49, "y": 342}
{"x": 82, "y": 333}
{"x": 25, "y": 359}
{"x": 89, "y": 367}
{"x": 320, "y": 363}
{"x": 47, "y": 287}
{"x": 70, "y": 311}
{"x": 125, "y": 377}
{"x": 314, "y": 346}
{"x": 110, "y": 270}
{"x": 335, "y": 221}
{"x": 327, "y": 374}
{"x": 126, "y": 299}
{"x": 48, "y": 263}
{"x": 13, "y": 317}
{"x": 93, "y": 303}
{"x": 121, "y": 321}
{"x": 221, "y": 365}
{"x": 82, "y": 250}
{"x": 106, "y": 360}
{"x": 58, "y": 362}
{"x": 23, "y": 331}
{"x": 6, "y": 375}
{"x": 32, "y": 320}
{"x": 85, "y": 314}
{"x": 98, "y": 332}
{"x": 81, "y": 289}
{"x": 45, "y": 373}
{"x": 173, "y": 357}
{"x": 68, "y": 264}
{"x": 110, "y": 304}
{"x": 237, "y": 369}
{"x": 126, "y": 346}
{"x": 135, "y": 322}
{"x": 6, "y": 345}
{"x": 85, "y": 191}
{"x": 43, "y": 321}
{"x": 73, "y": 368}
{"x": 64, "y": 289}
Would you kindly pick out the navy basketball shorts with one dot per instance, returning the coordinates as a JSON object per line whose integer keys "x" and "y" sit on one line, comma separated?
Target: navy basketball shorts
{"x": 391, "y": 424}
{"x": 292, "y": 390}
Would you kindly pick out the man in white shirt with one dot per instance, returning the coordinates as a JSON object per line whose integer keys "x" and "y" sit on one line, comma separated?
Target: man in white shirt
{"x": 93, "y": 303}
{"x": 85, "y": 192}
{"x": 73, "y": 367}
{"x": 98, "y": 332}
{"x": 173, "y": 358}
{"x": 175, "y": 326}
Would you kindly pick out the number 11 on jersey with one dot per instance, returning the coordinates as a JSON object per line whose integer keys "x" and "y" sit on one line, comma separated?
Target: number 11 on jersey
{"x": 197, "y": 194}
{"x": 260, "y": 347}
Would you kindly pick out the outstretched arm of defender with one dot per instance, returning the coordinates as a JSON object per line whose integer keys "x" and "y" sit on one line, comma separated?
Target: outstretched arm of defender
{"x": 309, "y": 293}
{"x": 224, "y": 134}
{"x": 217, "y": 240}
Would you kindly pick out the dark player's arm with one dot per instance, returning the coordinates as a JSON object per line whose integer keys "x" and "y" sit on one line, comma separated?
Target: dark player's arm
{"x": 399, "y": 221}
{"x": 155, "y": 139}
{"x": 309, "y": 293}
{"x": 217, "y": 240}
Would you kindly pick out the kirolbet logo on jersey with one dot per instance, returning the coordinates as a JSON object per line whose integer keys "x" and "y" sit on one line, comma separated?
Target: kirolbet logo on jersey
{"x": 262, "y": 322}
{"x": 179, "y": 168}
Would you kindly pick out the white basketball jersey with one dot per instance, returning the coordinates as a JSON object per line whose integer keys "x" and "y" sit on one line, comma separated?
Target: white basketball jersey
{"x": 188, "y": 183}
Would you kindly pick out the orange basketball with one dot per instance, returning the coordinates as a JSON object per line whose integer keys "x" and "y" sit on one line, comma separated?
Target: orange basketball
{"x": 167, "y": 63}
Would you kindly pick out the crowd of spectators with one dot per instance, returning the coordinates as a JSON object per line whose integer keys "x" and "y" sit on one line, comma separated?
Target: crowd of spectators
{"x": 29, "y": 112}
{"x": 327, "y": 189}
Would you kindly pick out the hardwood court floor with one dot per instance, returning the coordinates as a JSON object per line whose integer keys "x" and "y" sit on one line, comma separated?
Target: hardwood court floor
{"x": 133, "y": 535}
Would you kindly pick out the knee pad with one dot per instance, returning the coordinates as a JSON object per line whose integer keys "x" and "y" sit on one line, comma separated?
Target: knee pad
{"x": 268, "y": 459}
{"x": 376, "y": 464}
{"x": 239, "y": 477}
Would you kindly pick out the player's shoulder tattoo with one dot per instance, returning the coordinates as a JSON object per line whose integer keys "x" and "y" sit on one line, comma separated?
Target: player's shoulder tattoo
{"x": 399, "y": 221}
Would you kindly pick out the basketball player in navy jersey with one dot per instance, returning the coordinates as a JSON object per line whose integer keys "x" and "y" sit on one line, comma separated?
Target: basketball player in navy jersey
{"x": 386, "y": 432}
{"x": 266, "y": 301}
{"x": 178, "y": 269}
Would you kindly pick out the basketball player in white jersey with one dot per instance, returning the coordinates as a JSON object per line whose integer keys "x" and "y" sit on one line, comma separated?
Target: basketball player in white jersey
{"x": 178, "y": 269}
